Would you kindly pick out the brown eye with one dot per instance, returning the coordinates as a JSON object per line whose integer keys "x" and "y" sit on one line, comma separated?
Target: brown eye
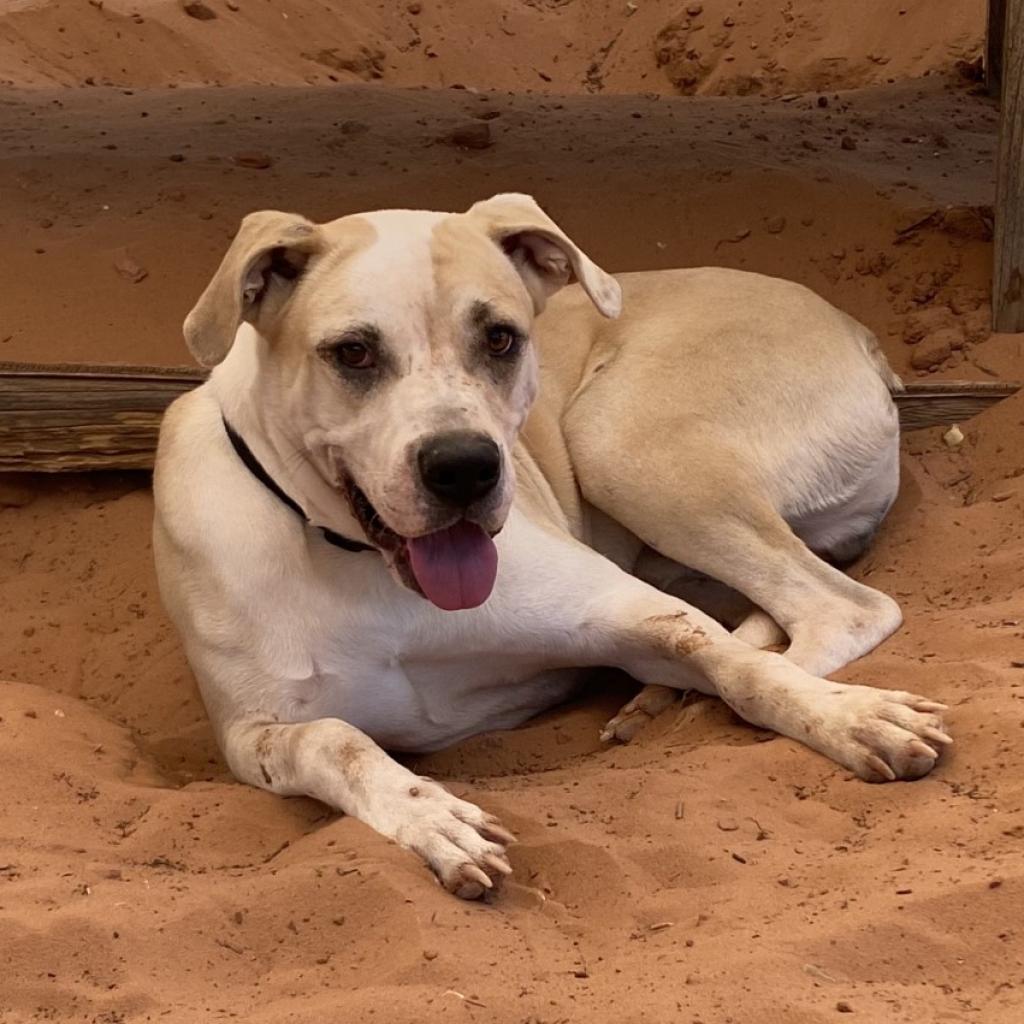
{"x": 355, "y": 355}
{"x": 501, "y": 341}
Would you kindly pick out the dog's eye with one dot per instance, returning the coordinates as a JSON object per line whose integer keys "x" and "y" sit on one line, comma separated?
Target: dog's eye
{"x": 355, "y": 354}
{"x": 501, "y": 340}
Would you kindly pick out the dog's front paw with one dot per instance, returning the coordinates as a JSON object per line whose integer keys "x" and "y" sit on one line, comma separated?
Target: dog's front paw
{"x": 885, "y": 735}
{"x": 465, "y": 847}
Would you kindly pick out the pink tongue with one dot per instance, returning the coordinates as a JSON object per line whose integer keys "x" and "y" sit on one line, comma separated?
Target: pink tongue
{"x": 456, "y": 567}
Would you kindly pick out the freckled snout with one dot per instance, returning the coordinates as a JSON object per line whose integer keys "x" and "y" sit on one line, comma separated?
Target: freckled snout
{"x": 460, "y": 467}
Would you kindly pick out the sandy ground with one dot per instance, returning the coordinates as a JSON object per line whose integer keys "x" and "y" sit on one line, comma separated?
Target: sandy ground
{"x": 554, "y": 46}
{"x": 707, "y": 873}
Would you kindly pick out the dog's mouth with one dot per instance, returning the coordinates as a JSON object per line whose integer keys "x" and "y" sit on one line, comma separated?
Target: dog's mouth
{"x": 453, "y": 568}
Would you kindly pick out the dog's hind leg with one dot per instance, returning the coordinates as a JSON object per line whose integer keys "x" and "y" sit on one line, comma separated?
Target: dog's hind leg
{"x": 341, "y": 766}
{"x": 715, "y": 518}
{"x": 648, "y": 704}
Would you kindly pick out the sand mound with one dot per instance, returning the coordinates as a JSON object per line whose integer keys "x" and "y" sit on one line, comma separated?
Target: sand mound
{"x": 717, "y": 47}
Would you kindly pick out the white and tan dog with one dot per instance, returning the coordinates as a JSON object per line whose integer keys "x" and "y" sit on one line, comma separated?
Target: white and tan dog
{"x": 366, "y": 543}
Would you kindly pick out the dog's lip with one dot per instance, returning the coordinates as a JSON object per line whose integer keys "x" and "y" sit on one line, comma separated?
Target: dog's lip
{"x": 393, "y": 545}
{"x": 373, "y": 523}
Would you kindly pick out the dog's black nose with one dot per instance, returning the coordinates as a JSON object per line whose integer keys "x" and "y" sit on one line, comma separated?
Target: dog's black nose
{"x": 460, "y": 467}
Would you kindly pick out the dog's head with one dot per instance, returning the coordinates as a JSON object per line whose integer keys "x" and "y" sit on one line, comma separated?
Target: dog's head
{"x": 395, "y": 357}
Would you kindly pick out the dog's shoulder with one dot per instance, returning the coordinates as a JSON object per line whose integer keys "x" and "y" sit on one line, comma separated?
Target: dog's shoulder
{"x": 205, "y": 497}
{"x": 191, "y": 434}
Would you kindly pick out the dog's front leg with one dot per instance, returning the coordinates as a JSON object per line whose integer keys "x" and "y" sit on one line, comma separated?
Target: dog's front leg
{"x": 341, "y": 766}
{"x": 879, "y": 734}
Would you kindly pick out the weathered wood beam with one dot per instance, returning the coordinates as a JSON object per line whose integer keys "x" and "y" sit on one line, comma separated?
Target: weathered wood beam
{"x": 73, "y": 417}
{"x": 995, "y": 35}
{"x": 1008, "y": 269}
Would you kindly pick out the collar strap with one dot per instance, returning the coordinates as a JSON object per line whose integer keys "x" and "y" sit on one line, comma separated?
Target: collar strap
{"x": 244, "y": 452}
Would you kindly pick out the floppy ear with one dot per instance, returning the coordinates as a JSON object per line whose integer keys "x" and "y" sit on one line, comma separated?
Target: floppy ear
{"x": 255, "y": 278}
{"x": 546, "y": 258}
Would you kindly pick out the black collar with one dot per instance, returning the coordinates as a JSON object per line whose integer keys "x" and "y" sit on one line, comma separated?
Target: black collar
{"x": 254, "y": 466}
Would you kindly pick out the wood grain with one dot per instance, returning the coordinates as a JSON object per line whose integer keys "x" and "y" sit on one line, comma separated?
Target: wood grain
{"x": 995, "y": 36}
{"x": 1008, "y": 272}
{"x": 78, "y": 417}
{"x": 75, "y": 417}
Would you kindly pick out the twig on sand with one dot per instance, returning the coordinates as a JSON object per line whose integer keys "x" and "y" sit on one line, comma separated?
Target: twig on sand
{"x": 468, "y": 1000}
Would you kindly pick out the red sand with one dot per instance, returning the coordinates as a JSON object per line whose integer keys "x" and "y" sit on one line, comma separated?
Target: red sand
{"x": 139, "y": 883}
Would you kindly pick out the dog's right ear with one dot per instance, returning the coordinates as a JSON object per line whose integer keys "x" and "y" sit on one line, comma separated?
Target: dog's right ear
{"x": 255, "y": 278}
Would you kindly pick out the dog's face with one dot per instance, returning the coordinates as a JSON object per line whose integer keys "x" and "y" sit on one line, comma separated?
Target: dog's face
{"x": 396, "y": 358}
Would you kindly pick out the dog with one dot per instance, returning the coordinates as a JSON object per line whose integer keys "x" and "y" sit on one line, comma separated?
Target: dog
{"x": 412, "y": 504}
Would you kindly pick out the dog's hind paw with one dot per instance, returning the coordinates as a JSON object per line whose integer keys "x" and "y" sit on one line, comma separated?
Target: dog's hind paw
{"x": 650, "y": 702}
{"x": 464, "y": 846}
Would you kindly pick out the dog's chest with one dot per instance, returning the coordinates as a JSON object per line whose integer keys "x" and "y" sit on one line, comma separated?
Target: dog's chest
{"x": 416, "y": 704}
{"x": 414, "y": 677}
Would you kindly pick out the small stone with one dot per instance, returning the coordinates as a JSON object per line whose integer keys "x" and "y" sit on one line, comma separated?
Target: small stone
{"x": 694, "y": 9}
{"x": 231, "y": 6}
{"x": 928, "y": 321}
{"x": 729, "y": 22}
{"x": 198, "y": 10}
{"x": 963, "y": 300}
{"x": 430, "y": 954}
{"x": 775, "y": 225}
{"x": 414, "y": 9}
{"x": 129, "y": 267}
{"x": 954, "y": 437}
{"x": 257, "y": 161}
{"x": 728, "y": 824}
{"x": 476, "y": 135}
{"x": 934, "y": 349}
{"x": 973, "y": 222}
{"x": 844, "y": 1007}
{"x": 847, "y": 142}
{"x": 177, "y": 158}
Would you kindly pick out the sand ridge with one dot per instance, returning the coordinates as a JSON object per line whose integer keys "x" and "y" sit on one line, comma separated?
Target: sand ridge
{"x": 714, "y": 47}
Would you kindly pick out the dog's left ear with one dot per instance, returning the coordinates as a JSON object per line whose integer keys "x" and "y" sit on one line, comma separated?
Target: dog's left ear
{"x": 254, "y": 280}
{"x": 546, "y": 258}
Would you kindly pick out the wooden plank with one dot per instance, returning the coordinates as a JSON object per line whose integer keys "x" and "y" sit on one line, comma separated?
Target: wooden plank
{"x": 994, "y": 41}
{"x": 83, "y": 417}
{"x": 1008, "y": 272}
{"x": 942, "y": 403}
{"x": 74, "y": 417}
